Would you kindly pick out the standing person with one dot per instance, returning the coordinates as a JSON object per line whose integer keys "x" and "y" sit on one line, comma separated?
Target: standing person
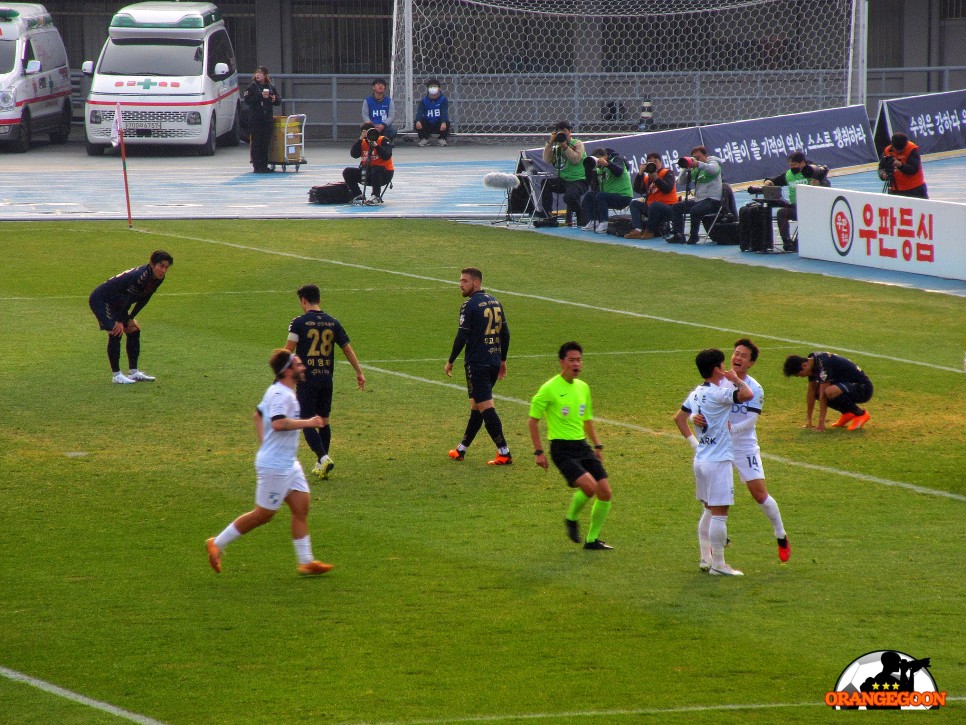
{"x": 278, "y": 471}
{"x": 566, "y": 404}
{"x": 374, "y": 152}
{"x": 835, "y": 382}
{"x": 713, "y": 454}
{"x": 312, "y": 336}
{"x": 610, "y": 188}
{"x": 261, "y": 97}
{"x": 704, "y": 172}
{"x": 747, "y": 454}
{"x": 901, "y": 166}
{"x": 111, "y": 304}
{"x": 380, "y": 110}
{"x": 655, "y": 183}
{"x": 484, "y": 332}
{"x": 432, "y": 114}
{"x": 566, "y": 154}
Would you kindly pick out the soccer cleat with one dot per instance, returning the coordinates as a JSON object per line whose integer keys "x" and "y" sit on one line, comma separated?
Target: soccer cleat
{"x": 725, "y": 571}
{"x": 139, "y": 377}
{"x": 456, "y": 454}
{"x": 314, "y": 567}
{"x": 122, "y": 379}
{"x": 323, "y": 467}
{"x": 501, "y": 460}
{"x": 214, "y": 555}
{"x": 598, "y": 545}
{"x": 784, "y": 550}
{"x": 859, "y": 421}
{"x": 704, "y": 565}
{"x": 843, "y": 420}
{"x": 423, "y": 142}
{"x": 573, "y": 530}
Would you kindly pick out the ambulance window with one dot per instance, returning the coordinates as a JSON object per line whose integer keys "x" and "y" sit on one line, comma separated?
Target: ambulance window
{"x": 49, "y": 50}
{"x": 219, "y": 51}
{"x": 8, "y": 54}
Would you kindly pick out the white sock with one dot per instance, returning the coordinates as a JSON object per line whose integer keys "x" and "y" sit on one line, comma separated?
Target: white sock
{"x": 303, "y": 549}
{"x": 770, "y": 508}
{"x": 719, "y": 537}
{"x": 704, "y": 536}
{"x": 227, "y": 536}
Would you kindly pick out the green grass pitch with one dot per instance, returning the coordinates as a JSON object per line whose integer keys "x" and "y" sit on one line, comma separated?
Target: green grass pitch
{"x": 456, "y": 596}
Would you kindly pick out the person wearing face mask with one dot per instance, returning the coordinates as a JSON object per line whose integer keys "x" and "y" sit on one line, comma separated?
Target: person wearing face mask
{"x": 432, "y": 114}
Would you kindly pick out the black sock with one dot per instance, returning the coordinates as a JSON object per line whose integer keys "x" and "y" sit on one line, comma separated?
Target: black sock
{"x": 133, "y": 346}
{"x": 314, "y": 441}
{"x": 114, "y": 352}
{"x": 473, "y": 426}
{"x": 325, "y": 434}
{"x": 494, "y": 427}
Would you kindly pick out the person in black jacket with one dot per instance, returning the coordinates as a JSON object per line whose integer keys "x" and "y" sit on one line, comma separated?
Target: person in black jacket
{"x": 261, "y": 96}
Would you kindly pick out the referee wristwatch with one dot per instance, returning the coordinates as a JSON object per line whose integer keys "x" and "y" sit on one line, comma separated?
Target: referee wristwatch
{"x": 538, "y": 452}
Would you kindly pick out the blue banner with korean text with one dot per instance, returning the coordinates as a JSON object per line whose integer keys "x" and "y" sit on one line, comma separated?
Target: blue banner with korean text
{"x": 758, "y": 149}
{"x": 934, "y": 122}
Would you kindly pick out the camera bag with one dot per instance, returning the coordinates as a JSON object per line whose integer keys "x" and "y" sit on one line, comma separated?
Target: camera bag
{"x": 754, "y": 228}
{"x": 618, "y": 226}
{"x": 337, "y": 193}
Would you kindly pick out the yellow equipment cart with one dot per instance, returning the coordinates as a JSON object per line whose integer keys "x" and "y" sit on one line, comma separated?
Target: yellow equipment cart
{"x": 287, "y": 147}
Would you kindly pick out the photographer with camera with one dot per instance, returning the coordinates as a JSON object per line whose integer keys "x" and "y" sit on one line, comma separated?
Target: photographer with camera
{"x": 375, "y": 166}
{"x": 610, "y": 187}
{"x": 566, "y": 154}
{"x": 901, "y": 168}
{"x": 380, "y": 110}
{"x": 800, "y": 171}
{"x": 656, "y": 184}
{"x": 704, "y": 172}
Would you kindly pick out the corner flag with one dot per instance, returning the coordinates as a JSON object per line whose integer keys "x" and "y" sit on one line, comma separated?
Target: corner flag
{"x": 117, "y": 126}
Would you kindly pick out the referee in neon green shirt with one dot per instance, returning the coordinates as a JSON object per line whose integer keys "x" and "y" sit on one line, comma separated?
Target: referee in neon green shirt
{"x": 565, "y": 402}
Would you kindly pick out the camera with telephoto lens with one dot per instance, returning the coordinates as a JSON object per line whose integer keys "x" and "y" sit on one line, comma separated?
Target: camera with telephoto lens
{"x": 372, "y": 135}
{"x": 754, "y": 189}
{"x": 687, "y": 162}
{"x": 887, "y": 167}
{"x": 815, "y": 171}
{"x": 560, "y": 137}
{"x": 650, "y": 167}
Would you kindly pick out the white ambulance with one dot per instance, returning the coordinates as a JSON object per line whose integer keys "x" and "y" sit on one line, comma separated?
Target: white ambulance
{"x": 34, "y": 77}
{"x": 172, "y": 68}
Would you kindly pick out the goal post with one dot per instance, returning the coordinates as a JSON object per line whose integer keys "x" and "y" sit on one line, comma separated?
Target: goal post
{"x": 516, "y": 66}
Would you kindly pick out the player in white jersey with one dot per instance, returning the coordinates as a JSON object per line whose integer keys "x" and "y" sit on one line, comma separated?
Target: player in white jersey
{"x": 279, "y": 473}
{"x": 713, "y": 453}
{"x": 747, "y": 454}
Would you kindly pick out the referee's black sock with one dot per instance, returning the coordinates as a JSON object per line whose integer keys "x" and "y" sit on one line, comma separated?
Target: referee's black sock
{"x": 473, "y": 426}
{"x": 494, "y": 426}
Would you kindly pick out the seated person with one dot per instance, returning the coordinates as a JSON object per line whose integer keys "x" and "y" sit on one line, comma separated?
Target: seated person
{"x": 432, "y": 114}
{"x": 655, "y": 183}
{"x": 800, "y": 171}
{"x": 375, "y": 154}
{"x": 704, "y": 173}
{"x": 380, "y": 110}
{"x": 566, "y": 154}
{"x": 610, "y": 187}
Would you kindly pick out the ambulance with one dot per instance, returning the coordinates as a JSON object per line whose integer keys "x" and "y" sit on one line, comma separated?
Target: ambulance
{"x": 171, "y": 67}
{"x": 34, "y": 77}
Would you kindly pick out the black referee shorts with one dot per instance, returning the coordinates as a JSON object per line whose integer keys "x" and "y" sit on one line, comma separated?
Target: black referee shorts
{"x": 574, "y": 459}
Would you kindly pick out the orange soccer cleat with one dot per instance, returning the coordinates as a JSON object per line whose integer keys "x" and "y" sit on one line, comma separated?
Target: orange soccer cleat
{"x": 784, "y": 550}
{"x": 859, "y": 421}
{"x": 456, "y": 454}
{"x": 214, "y": 555}
{"x": 315, "y": 567}
{"x": 501, "y": 460}
{"x": 843, "y": 420}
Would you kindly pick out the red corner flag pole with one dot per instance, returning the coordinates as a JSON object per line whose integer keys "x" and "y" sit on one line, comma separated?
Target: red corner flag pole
{"x": 117, "y": 138}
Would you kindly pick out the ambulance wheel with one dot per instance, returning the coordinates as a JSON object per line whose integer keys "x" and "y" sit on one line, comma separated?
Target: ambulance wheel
{"x": 94, "y": 149}
{"x": 211, "y": 142}
{"x": 62, "y": 134}
{"x": 22, "y": 144}
{"x": 233, "y": 137}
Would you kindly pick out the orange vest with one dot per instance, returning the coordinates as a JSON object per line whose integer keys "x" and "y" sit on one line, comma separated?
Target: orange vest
{"x": 655, "y": 194}
{"x": 376, "y": 159}
{"x": 901, "y": 181}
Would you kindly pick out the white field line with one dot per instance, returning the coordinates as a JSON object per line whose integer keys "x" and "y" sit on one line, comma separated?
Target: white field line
{"x": 549, "y": 357}
{"x": 641, "y": 429}
{"x": 225, "y": 293}
{"x": 554, "y": 300}
{"x": 77, "y": 697}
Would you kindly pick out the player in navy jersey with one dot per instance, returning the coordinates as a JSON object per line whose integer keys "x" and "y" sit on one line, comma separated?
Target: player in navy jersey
{"x": 484, "y": 333}
{"x": 111, "y": 303}
{"x": 313, "y": 337}
{"x": 835, "y": 382}
{"x": 432, "y": 114}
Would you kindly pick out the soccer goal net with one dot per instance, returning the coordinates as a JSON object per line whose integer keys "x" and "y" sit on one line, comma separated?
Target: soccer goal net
{"x": 516, "y": 66}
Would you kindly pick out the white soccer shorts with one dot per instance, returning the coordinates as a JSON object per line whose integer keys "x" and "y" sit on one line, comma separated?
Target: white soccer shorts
{"x": 274, "y": 485}
{"x": 749, "y": 466}
{"x": 714, "y": 483}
